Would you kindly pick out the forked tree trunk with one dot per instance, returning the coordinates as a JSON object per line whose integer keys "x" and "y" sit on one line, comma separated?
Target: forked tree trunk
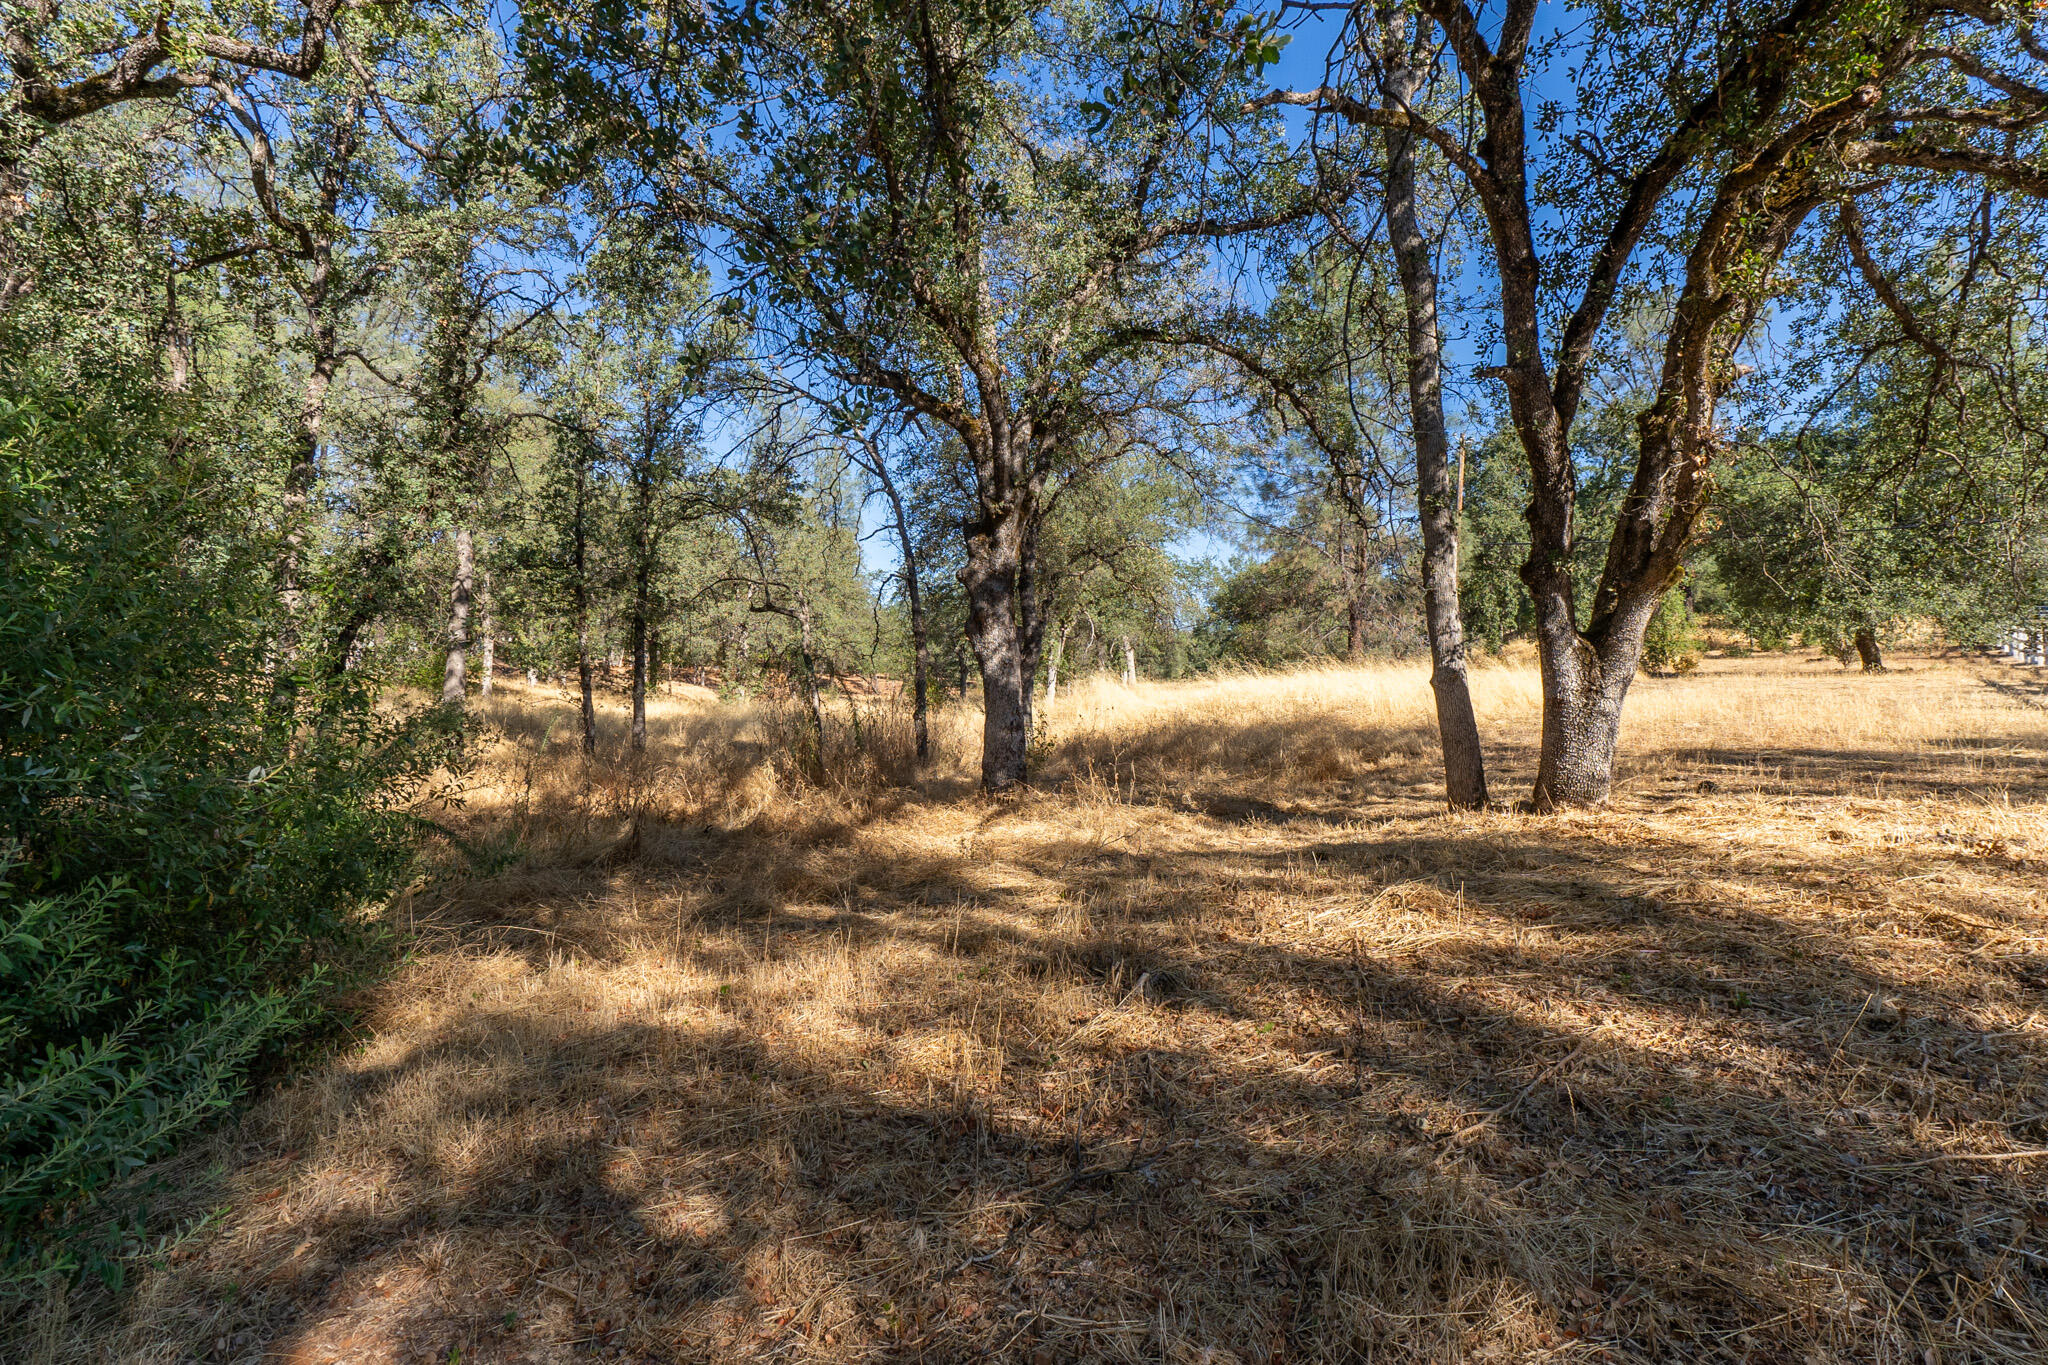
{"x": 1867, "y": 650}
{"x": 454, "y": 677}
{"x": 1457, "y": 726}
{"x": 1586, "y": 679}
{"x": 1586, "y": 674}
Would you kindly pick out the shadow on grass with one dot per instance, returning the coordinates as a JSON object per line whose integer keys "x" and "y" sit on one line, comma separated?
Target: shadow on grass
{"x": 975, "y": 1082}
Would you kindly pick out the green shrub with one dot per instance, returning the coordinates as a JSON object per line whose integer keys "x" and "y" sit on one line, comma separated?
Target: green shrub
{"x": 1672, "y": 641}
{"x": 180, "y": 863}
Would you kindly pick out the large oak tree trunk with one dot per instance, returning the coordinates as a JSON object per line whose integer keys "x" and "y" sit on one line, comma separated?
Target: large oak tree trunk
{"x": 1586, "y": 674}
{"x": 1457, "y": 726}
{"x": 1582, "y": 700}
{"x": 993, "y": 629}
{"x": 1867, "y": 650}
{"x": 1005, "y": 619}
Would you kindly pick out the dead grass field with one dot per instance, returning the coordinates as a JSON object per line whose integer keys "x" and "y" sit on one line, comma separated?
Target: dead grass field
{"x": 1226, "y": 1045}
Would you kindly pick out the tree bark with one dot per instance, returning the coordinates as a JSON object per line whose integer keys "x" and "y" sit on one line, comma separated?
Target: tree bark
{"x": 1354, "y": 621}
{"x": 920, "y": 651}
{"x": 1052, "y": 671}
{"x": 644, "y": 474}
{"x": 584, "y": 683}
{"x": 811, "y": 698}
{"x": 1457, "y": 725}
{"x": 642, "y": 573}
{"x": 1867, "y": 650}
{"x": 454, "y": 677}
{"x": 364, "y": 604}
{"x": 639, "y": 730}
{"x": 990, "y": 578}
{"x": 1583, "y": 692}
{"x": 1005, "y": 627}
{"x": 579, "y": 564}
{"x": 490, "y": 645}
{"x": 1130, "y": 664}
{"x": 1005, "y": 618}
{"x": 177, "y": 340}
{"x": 1744, "y": 224}
{"x": 920, "y": 667}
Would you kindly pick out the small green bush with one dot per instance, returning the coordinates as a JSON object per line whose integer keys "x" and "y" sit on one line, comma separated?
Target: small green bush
{"x": 1672, "y": 641}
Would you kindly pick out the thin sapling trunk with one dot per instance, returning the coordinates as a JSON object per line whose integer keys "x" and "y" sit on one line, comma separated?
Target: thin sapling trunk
{"x": 1457, "y": 725}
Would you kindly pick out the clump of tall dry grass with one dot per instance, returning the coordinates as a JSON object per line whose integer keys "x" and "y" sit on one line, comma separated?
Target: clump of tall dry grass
{"x": 1274, "y": 730}
{"x": 1226, "y": 1045}
{"x": 725, "y": 763}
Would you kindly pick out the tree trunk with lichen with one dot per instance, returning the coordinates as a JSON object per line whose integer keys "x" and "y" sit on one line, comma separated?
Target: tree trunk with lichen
{"x": 454, "y": 675}
{"x": 1437, "y": 500}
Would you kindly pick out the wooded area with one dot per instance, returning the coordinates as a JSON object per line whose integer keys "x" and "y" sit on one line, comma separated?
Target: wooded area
{"x": 536, "y": 454}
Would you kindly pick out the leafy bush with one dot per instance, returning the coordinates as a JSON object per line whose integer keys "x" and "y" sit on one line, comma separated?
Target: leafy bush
{"x": 1672, "y": 641}
{"x": 180, "y": 858}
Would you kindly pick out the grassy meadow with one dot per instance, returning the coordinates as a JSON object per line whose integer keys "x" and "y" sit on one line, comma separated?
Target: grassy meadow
{"x": 1225, "y": 1044}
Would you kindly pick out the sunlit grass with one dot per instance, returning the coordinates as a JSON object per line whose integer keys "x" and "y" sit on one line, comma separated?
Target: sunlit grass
{"x": 1225, "y": 1044}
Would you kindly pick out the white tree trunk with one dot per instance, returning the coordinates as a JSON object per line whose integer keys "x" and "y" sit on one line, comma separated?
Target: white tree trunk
{"x": 1052, "y": 671}
{"x": 490, "y": 659}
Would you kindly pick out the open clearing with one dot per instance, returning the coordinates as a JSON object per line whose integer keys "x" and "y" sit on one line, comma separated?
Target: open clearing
{"x": 1225, "y": 1045}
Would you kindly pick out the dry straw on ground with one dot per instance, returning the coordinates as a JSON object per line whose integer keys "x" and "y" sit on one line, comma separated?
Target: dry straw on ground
{"x": 1225, "y": 1045}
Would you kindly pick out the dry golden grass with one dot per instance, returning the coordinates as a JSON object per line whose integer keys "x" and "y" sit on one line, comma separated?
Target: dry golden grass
{"x": 1224, "y": 1045}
